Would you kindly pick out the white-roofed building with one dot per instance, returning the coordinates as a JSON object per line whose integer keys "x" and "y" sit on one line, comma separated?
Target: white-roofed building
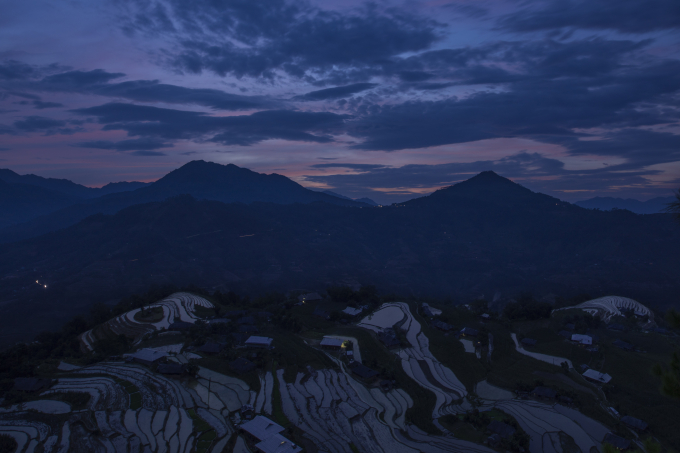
{"x": 259, "y": 342}
{"x": 582, "y": 339}
{"x": 352, "y": 311}
{"x": 277, "y": 444}
{"x": 147, "y": 356}
{"x": 261, "y": 428}
{"x": 331, "y": 343}
{"x": 596, "y": 376}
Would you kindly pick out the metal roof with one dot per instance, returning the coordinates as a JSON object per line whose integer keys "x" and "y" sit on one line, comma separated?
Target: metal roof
{"x": 259, "y": 341}
{"x": 148, "y": 355}
{"x": 333, "y": 342}
{"x": 597, "y": 376}
{"x": 583, "y": 339}
{"x": 277, "y": 444}
{"x": 261, "y": 427}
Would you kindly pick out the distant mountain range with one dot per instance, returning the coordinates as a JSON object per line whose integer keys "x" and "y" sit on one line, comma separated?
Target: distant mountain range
{"x": 653, "y": 206}
{"x": 481, "y": 236}
{"x": 62, "y": 203}
{"x": 368, "y": 201}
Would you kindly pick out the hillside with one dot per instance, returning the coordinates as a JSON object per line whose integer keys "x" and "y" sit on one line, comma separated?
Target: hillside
{"x": 653, "y": 206}
{"x": 200, "y": 179}
{"x": 480, "y": 237}
{"x": 393, "y": 378}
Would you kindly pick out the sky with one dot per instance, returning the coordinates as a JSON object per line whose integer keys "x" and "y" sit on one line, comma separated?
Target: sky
{"x": 387, "y": 99}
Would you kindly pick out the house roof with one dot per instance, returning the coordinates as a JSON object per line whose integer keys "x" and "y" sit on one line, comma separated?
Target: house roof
{"x": 583, "y": 339}
{"x": 616, "y": 441}
{"x": 363, "y": 371}
{"x": 332, "y": 342}
{"x": 352, "y": 311}
{"x": 170, "y": 368}
{"x": 277, "y": 444}
{"x": 308, "y": 297}
{"x": 634, "y": 422}
{"x": 623, "y": 345}
{"x": 469, "y": 331}
{"x": 148, "y": 355}
{"x": 544, "y": 392}
{"x": 502, "y": 429}
{"x": 211, "y": 347}
{"x": 241, "y": 365}
{"x": 31, "y": 384}
{"x": 259, "y": 341}
{"x": 597, "y": 376}
{"x": 261, "y": 427}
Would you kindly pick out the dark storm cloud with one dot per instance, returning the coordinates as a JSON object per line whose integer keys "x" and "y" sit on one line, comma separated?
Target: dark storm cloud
{"x": 245, "y": 38}
{"x": 555, "y": 88}
{"x": 15, "y": 70}
{"x": 628, "y": 16}
{"x": 336, "y": 92}
{"x": 99, "y": 82}
{"x": 141, "y": 144}
{"x": 242, "y": 130}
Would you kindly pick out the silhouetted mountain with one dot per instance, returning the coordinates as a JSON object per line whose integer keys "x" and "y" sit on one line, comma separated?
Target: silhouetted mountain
{"x": 368, "y": 201}
{"x": 67, "y": 187}
{"x": 653, "y": 206}
{"x": 481, "y": 236}
{"x": 21, "y": 202}
{"x": 203, "y": 180}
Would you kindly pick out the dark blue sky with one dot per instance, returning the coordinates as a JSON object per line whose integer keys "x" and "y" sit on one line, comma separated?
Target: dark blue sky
{"x": 387, "y": 99}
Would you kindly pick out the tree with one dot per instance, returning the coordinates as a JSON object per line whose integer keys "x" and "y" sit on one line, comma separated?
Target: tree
{"x": 670, "y": 378}
{"x": 674, "y": 207}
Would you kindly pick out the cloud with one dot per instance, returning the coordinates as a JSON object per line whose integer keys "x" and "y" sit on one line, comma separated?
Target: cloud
{"x": 15, "y": 70}
{"x": 141, "y": 144}
{"x": 350, "y": 166}
{"x": 536, "y": 171}
{"x": 336, "y": 92}
{"x": 38, "y": 123}
{"x": 627, "y": 16}
{"x": 257, "y": 39}
{"x": 554, "y": 89}
{"x": 49, "y": 126}
{"x": 241, "y": 130}
{"x": 46, "y": 105}
{"x": 77, "y": 80}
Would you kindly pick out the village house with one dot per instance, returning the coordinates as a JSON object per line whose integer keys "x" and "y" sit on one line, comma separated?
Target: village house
{"x": 469, "y": 332}
{"x": 331, "y": 343}
{"x": 309, "y": 297}
{"x": 170, "y": 368}
{"x": 259, "y": 342}
{"x": 634, "y": 423}
{"x": 544, "y": 393}
{"x": 321, "y": 313}
{"x": 618, "y": 442}
{"x": 267, "y": 436}
{"x": 584, "y": 340}
{"x": 241, "y": 365}
{"x": 352, "y": 311}
{"x": 596, "y": 376}
{"x": 623, "y": 345}
{"x": 363, "y": 371}
{"x": 146, "y": 356}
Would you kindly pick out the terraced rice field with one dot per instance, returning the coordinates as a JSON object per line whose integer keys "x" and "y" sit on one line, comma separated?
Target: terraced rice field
{"x": 177, "y": 307}
{"x": 609, "y": 306}
{"x": 171, "y": 417}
